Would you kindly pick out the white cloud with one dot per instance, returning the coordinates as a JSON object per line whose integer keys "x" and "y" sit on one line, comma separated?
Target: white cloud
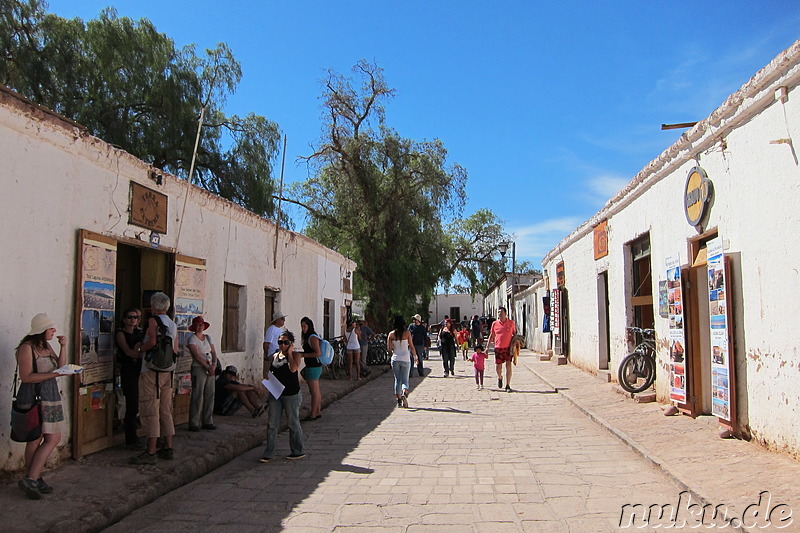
{"x": 604, "y": 186}
{"x": 535, "y": 240}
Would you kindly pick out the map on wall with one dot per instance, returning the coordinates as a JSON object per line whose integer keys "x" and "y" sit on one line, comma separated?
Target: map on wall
{"x": 677, "y": 338}
{"x": 718, "y": 314}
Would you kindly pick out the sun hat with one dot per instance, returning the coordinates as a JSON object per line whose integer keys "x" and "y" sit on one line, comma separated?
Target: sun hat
{"x": 41, "y": 323}
{"x": 232, "y": 370}
{"x": 277, "y": 315}
{"x": 196, "y": 321}
{"x": 417, "y": 317}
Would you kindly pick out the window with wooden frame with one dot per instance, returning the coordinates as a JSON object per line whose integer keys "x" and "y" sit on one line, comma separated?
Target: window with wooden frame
{"x": 642, "y": 283}
{"x": 232, "y": 318}
{"x": 327, "y": 318}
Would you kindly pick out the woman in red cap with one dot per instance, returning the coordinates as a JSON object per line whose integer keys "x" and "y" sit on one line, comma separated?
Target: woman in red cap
{"x": 204, "y": 366}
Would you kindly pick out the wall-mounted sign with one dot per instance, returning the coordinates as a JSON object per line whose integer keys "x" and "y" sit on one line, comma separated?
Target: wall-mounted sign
{"x": 561, "y": 276}
{"x": 148, "y": 208}
{"x": 697, "y": 195}
{"x": 601, "y": 240}
{"x": 677, "y": 339}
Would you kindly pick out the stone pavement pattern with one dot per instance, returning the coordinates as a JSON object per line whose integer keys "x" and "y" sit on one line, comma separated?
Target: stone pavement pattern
{"x": 458, "y": 460}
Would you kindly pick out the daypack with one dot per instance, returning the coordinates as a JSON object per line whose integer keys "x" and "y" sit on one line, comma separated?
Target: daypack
{"x": 161, "y": 357}
{"x": 326, "y": 351}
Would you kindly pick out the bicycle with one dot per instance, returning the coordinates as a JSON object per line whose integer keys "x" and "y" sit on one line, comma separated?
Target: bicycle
{"x": 637, "y": 371}
{"x": 337, "y": 367}
{"x": 377, "y": 353}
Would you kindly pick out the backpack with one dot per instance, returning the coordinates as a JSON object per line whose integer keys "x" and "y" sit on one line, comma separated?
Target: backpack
{"x": 326, "y": 351}
{"x": 161, "y": 357}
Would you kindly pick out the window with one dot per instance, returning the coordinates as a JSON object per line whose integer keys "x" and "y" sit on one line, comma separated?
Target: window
{"x": 455, "y": 314}
{"x": 233, "y": 318}
{"x": 642, "y": 283}
{"x": 269, "y": 306}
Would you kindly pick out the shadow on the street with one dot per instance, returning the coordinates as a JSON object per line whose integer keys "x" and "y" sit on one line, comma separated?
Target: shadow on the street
{"x": 432, "y": 409}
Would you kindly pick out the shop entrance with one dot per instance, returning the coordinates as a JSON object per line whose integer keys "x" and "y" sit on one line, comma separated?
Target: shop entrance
{"x": 602, "y": 321}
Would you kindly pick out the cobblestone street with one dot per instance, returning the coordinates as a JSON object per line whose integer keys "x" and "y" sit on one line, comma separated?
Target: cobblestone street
{"x": 459, "y": 459}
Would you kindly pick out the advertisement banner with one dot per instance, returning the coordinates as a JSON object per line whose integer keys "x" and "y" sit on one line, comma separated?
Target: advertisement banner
{"x": 718, "y": 319}
{"x": 190, "y": 289}
{"x": 97, "y": 311}
{"x": 677, "y": 338}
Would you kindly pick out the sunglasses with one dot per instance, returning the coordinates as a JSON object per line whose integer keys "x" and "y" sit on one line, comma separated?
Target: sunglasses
{"x": 132, "y": 316}
{"x": 285, "y": 342}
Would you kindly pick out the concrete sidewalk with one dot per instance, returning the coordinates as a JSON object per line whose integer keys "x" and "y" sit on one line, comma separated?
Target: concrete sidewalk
{"x": 100, "y": 489}
{"x": 687, "y": 450}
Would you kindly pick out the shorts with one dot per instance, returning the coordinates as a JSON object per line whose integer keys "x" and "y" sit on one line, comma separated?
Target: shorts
{"x": 311, "y": 373}
{"x": 465, "y": 345}
{"x": 502, "y": 355}
{"x": 230, "y": 406}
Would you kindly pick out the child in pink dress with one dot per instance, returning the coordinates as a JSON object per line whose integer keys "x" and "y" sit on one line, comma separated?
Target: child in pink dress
{"x": 478, "y": 359}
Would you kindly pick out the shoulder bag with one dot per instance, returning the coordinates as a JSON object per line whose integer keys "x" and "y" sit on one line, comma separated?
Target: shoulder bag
{"x": 26, "y": 424}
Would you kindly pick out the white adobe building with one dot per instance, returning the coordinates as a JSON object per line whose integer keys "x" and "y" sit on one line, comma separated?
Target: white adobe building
{"x": 701, "y": 246}
{"x": 89, "y": 230}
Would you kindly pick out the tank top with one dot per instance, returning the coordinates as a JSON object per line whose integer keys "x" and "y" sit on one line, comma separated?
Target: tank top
{"x": 352, "y": 340}
{"x": 400, "y": 351}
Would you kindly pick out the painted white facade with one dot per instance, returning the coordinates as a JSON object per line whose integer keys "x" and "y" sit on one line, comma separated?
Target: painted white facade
{"x": 747, "y": 149}
{"x": 468, "y": 305}
{"x": 58, "y": 180}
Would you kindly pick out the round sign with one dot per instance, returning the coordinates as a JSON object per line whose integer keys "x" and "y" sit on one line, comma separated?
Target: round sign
{"x": 697, "y": 194}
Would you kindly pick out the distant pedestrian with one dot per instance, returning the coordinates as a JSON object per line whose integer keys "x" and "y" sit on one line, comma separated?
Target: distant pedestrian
{"x": 366, "y": 335}
{"x": 419, "y": 337}
{"x": 463, "y": 341}
{"x": 200, "y": 347}
{"x": 478, "y": 361}
{"x": 37, "y": 364}
{"x": 284, "y": 367}
{"x": 502, "y": 333}
{"x": 476, "y": 331}
{"x": 353, "y": 336}
{"x": 447, "y": 348}
{"x": 400, "y": 345}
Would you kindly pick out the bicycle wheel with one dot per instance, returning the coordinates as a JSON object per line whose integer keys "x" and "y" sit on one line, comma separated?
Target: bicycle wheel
{"x": 636, "y": 372}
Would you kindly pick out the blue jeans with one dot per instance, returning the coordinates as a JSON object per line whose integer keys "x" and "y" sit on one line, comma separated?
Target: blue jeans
{"x": 400, "y": 369}
{"x": 420, "y": 348}
{"x": 290, "y": 404}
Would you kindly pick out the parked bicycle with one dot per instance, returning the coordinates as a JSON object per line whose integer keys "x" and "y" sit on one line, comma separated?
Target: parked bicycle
{"x": 337, "y": 369}
{"x": 637, "y": 371}
{"x": 377, "y": 353}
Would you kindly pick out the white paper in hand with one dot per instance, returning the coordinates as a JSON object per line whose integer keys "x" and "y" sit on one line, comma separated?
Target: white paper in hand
{"x": 274, "y": 386}
{"x": 69, "y": 369}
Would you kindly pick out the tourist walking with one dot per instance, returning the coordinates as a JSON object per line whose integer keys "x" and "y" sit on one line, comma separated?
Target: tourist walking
{"x": 37, "y": 363}
{"x": 400, "y": 345}
{"x": 419, "y": 335}
{"x": 128, "y": 338}
{"x": 479, "y": 363}
{"x": 502, "y": 333}
{"x": 353, "y": 336}
{"x": 283, "y": 367}
{"x": 313, "y": 367}
{"x": 200, "y": 347}
{"x": 366, "y": 335}
{"x": 447, "y": 348}
{"x": 155, "y": 388}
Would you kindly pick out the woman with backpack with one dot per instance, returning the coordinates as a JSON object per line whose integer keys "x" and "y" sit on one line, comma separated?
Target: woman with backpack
{"x": 313, "y": 369}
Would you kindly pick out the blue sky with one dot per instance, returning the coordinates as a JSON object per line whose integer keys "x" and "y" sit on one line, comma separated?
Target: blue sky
{"x": 550, "y": 106}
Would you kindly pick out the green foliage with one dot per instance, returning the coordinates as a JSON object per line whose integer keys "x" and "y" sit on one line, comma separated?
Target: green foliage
{"x": 378, "y": 197}
{"x": 129, "y": 85}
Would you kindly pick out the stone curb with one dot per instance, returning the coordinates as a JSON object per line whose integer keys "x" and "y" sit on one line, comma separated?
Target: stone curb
{"x": 628, "y": 441}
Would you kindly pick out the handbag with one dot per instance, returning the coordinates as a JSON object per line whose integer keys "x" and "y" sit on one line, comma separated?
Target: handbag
{"x": 26, "y": 424}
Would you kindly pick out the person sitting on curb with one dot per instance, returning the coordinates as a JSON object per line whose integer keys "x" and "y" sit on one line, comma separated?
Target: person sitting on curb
{"x": 231, "y": 395}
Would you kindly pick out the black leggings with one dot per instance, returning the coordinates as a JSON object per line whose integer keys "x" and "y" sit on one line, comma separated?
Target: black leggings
{"x": 448, "y": 358}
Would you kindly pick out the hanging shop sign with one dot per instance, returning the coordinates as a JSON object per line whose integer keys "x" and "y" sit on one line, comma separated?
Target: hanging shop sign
{"x": 697, "y": 196}
{"x": 555, "y": 322}
{"x": 677, "y": 338}
{"x": 148, "y": 208}
{"x": 601, "y": 240}
{"x": 721, "y": 371}
{"x": 561, "y": 276}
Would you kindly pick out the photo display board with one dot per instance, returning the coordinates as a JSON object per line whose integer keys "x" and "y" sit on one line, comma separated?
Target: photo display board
{"x": 718, "y": 319}
{"x": 98, "y": 288}
{"x": 677, "y": 338}
{"x": 190, "y": 289}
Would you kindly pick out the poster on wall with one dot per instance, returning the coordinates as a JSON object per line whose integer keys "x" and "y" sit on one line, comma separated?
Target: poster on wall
{"x": 190, "y": 290}
{"x": 676, "y": 338}
{"x": 98, "y": 286}
{"x": 718, "y": 319}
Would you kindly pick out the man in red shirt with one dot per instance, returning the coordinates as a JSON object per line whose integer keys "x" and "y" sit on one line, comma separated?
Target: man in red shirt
{"x": 503, "y": 331}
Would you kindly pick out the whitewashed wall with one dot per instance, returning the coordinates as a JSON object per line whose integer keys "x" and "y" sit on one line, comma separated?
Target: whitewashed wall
{"x": 441, "y": 304}
{"x": 57, "y": 180}
{"x": 746, "y": 148}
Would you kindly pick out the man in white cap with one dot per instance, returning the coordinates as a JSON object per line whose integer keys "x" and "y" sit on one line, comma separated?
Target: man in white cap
{"x": 273, "y": 332}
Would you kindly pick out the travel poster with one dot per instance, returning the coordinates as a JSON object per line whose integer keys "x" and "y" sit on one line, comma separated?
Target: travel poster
{"x": 676, "y": 337}
{"x": 555, "y": 319}
{"x": 190, "y": 289}
{"x": 718, "y": 319}
{"x": 97, "y": 314}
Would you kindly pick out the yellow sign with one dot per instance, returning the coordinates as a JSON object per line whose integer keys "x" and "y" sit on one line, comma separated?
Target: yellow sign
{"x": 697, "y": 195}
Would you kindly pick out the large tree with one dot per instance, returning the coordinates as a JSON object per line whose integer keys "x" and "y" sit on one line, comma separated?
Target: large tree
{"x": 129, "y": 85}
